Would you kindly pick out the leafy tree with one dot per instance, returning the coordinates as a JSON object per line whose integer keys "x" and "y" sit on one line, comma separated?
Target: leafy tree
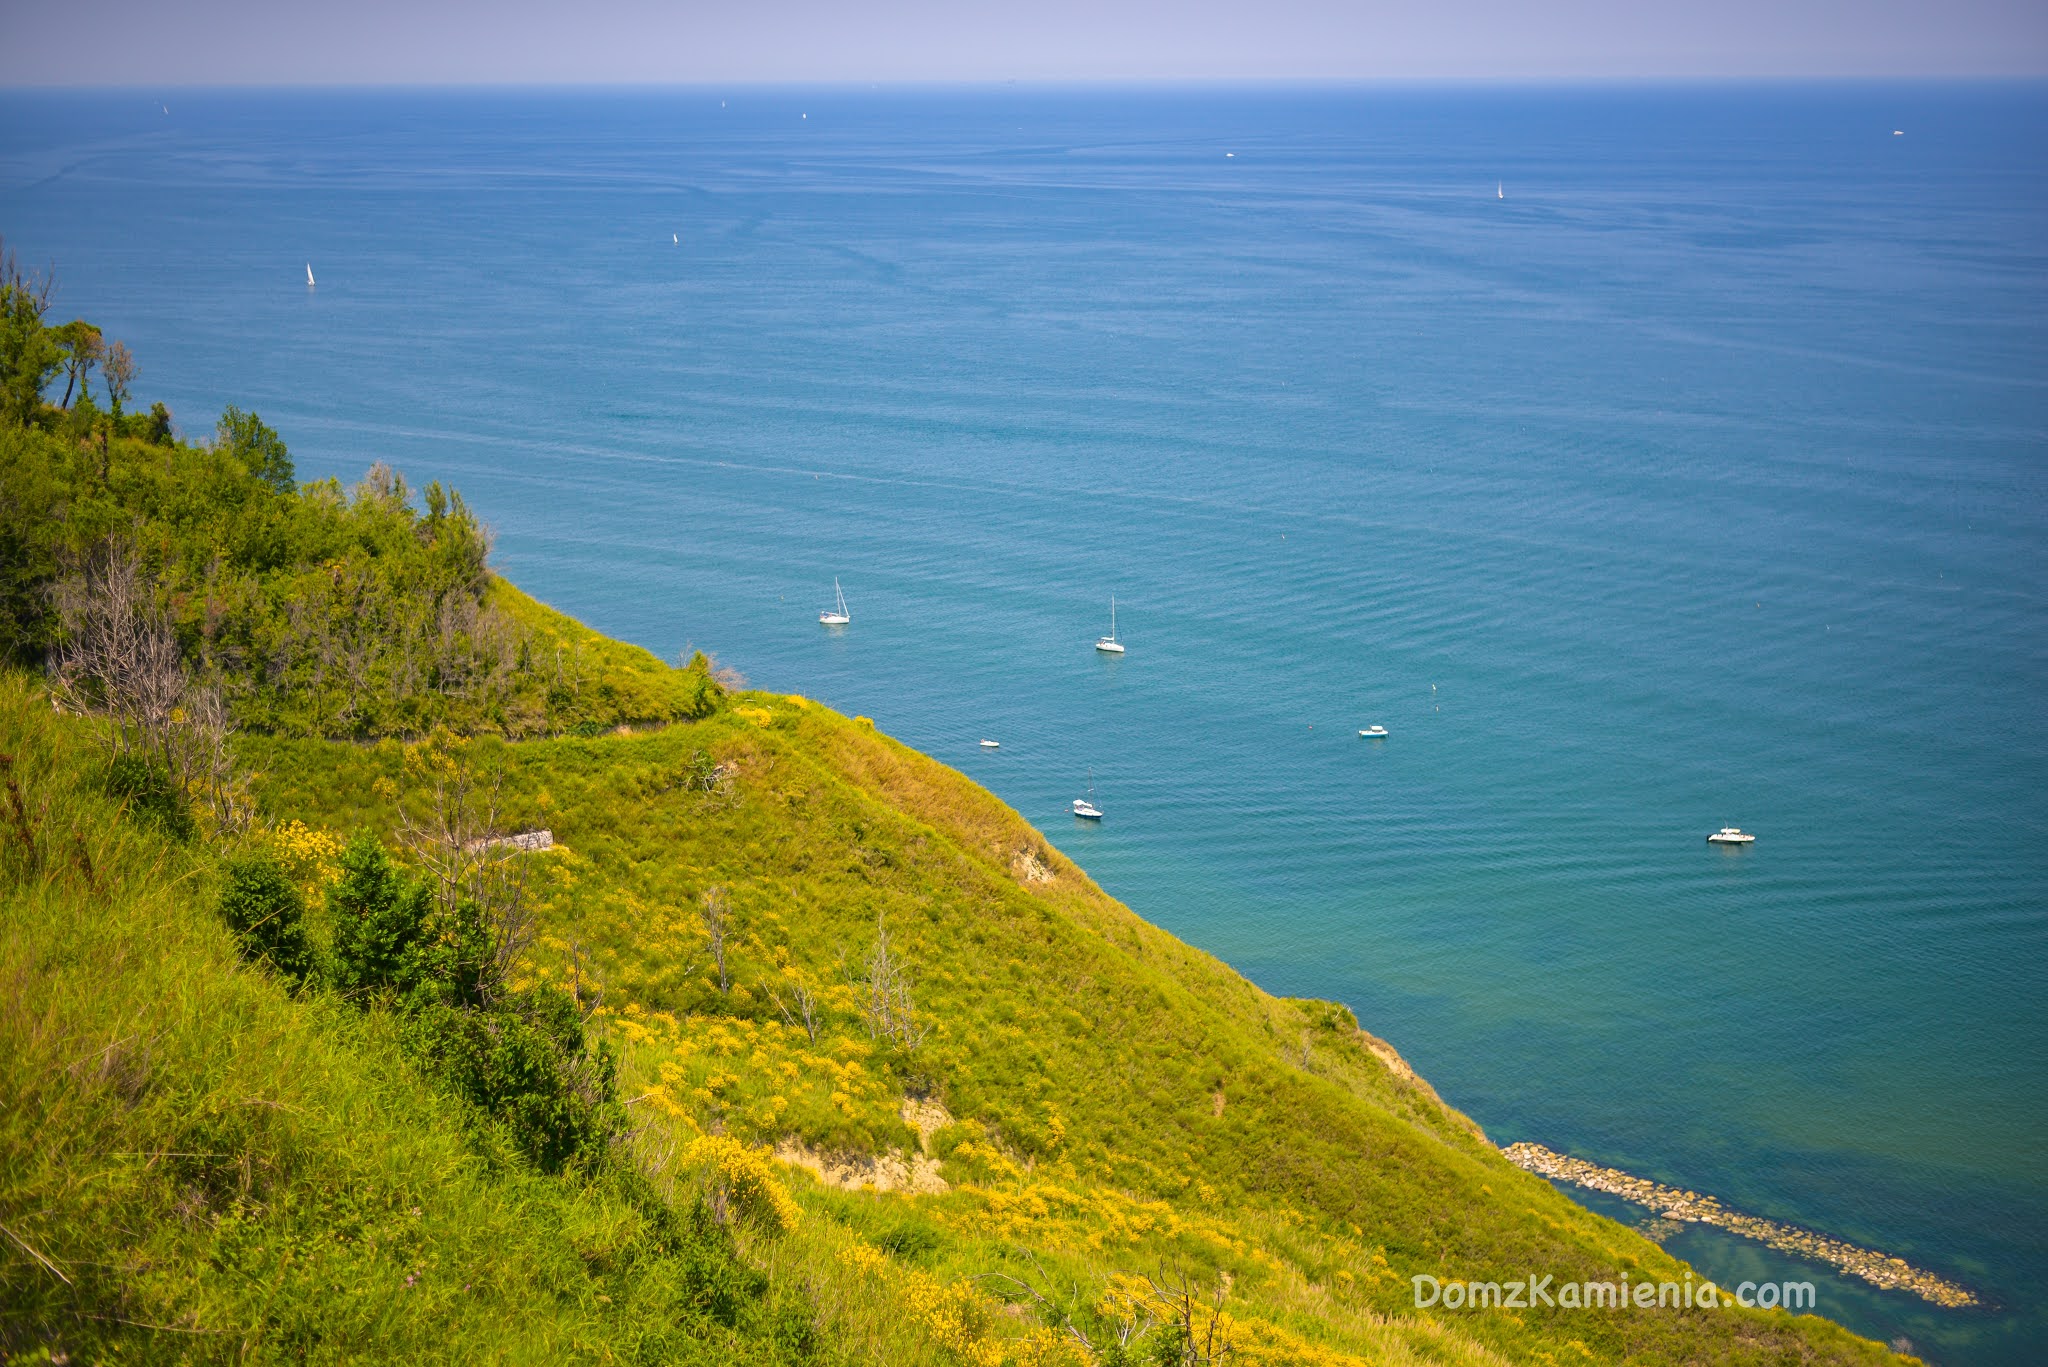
{"x": 245, "y": 436}
{"x": 380, "y": 921}
{"x": 29, "y": 354}
{"x": 268, "y": 915}
{"x": 82, "y": 350}
{"x": 80, "y": 422}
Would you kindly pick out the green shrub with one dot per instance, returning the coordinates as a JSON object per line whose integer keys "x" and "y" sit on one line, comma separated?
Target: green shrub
{"x": 151, "y": 795}
{"x": 912, "y": 1239}
{"x": 380, "y": 922}
{"x": 268, "y": 915}
{"x": 525, "y": 1063}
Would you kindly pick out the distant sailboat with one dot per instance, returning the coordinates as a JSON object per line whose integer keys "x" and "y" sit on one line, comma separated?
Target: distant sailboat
{"x": 1084, "y": 807}
{"x": 836, "y": 615}
{"x": 1500, "y": 189}
{"x": 676, "y": 238}
{"x": 1109, "y": 645}
{"x": 309, "y": 275}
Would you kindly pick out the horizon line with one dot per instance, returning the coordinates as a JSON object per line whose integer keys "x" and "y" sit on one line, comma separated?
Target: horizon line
{"x": 1043, "y": 83}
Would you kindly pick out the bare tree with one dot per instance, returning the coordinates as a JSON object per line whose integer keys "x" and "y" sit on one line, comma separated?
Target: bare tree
{"x": 716, "y": 910}
{"x": 118, "y": 655}
{"x": 1198, "y": 1332}
{"x": 205, "y": 761}
{"x": 454, "y": 831}
{"x": 806, "y": 1012}
{"x": 888, "y": 1003}
{"x": 117, "y": 368}
{"x": 1131, "y": 1319}
{"x": 117, "y": 652}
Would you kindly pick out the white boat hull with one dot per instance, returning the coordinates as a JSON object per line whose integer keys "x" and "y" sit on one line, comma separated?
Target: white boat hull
{"x": 834, "y": 619}
{"x": 1086, "y": 812}
{"x": 1109, "y": 647}
{"x": 1731, "y": 838}
{"x": 991, "y": 745}
{"x": 1374, "y": 733}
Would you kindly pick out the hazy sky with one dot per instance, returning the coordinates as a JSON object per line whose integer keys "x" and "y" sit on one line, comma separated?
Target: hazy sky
{"x": 174, "y": 42}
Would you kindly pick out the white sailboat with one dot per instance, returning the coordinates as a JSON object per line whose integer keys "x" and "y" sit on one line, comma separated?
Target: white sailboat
{"x": 1109, "y": 645}
{"x": 1500, "y": 189}
{"x": 309, "y": 275}
{"x": 1084, "y": 807}
{"x": 836, "y": 615}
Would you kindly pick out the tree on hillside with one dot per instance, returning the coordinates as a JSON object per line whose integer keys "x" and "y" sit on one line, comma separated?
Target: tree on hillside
{"x": 887, "y": 1001}
{"x": 379, "y": 919}
{"x": 29, "y": 355}
{"x": 118, "y": 653}
{"x": 267, "y": 913}
{"x": 716, "y": 909}
{"x": 245, "y": 436}
{"x": 82, "y": 351}
{"x": 118, "y": 370}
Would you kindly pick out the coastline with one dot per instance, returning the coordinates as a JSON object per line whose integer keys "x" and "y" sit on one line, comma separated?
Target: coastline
{"x": 1673, "y": 1203}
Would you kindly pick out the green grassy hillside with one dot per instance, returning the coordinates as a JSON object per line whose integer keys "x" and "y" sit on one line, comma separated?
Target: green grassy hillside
{"x": 191, "y": 1148}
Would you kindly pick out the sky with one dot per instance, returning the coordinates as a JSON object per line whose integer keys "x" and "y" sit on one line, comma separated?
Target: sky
{"x": 158, "y": 43}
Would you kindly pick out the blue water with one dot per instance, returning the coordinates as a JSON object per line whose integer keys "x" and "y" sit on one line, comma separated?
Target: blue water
{"x": 1701, "y": 479}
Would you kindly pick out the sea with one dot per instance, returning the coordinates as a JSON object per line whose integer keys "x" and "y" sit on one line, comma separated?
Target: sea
{"x": 1645, "y": 458}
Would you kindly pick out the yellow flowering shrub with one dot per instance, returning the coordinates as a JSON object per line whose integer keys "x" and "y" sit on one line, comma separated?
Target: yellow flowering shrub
{"x": 744, "y": 1180}
{"x": 962, "y": 1321}
{"x": 310, "y": 856}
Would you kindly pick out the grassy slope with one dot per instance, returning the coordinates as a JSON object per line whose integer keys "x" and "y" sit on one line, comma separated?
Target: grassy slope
{"x": 193, "y": 1166}
{"x": 612, "y": 679}
{"x": 1082, "y": 1052}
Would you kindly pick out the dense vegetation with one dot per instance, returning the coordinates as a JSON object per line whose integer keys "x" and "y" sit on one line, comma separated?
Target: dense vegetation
{"x": 315, "y": 610}
{"x": 305, "y": 1057}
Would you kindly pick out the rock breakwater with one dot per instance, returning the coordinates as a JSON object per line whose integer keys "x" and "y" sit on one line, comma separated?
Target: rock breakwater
{"x": 1673, "y": 1203}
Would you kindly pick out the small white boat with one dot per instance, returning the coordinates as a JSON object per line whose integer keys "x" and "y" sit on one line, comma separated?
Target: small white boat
{"x": 1729, "y": 835}
{"x": 1109, "y": 645}
{"x": 837, "y": 615}
{"x": 1374, "y": 733}
{"x": 991, "y": 745}
{"x": 1500, "y": 189}
{"x": 1084, "y": 807}
{"x": 309, "y": 275}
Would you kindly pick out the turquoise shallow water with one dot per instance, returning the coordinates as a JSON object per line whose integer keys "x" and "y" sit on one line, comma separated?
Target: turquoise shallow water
{"x": 1698, "y": 480}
